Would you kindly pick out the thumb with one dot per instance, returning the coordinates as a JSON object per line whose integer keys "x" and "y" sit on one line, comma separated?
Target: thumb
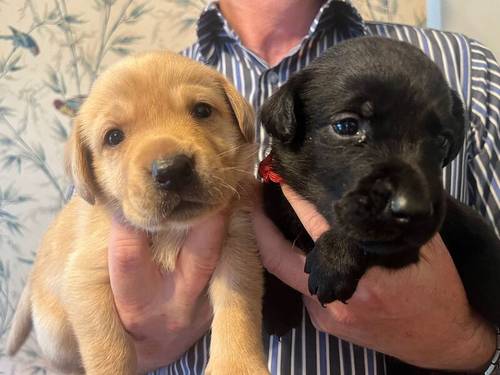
{"x": 200, "y": 253}
{"x": 309, "y": 216}
{"x": 278, "y": 255}
{"x": 132, "y": 272}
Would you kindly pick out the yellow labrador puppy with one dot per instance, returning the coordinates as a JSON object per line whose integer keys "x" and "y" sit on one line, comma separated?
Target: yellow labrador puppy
{"x": 162, "y": 141}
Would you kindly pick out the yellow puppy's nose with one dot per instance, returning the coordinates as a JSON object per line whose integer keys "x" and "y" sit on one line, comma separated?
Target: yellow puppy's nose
{"x": 173, "y": 173}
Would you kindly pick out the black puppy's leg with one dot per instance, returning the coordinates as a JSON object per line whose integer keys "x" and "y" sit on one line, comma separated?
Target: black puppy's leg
{"x": 335, "y": 266}
{"x": 475, "y": 250}
{"x": 282, "y": 306}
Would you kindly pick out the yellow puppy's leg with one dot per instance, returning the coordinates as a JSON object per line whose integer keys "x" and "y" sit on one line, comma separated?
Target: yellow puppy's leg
{"x": 236, "y": 293}
{"x": 105, "y": 346}
{"x": 55, "y": 334}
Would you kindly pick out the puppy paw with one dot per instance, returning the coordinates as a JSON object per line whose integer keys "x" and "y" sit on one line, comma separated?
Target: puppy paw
{"x": 326, "y": 281}
{"x": 335, "y": 266}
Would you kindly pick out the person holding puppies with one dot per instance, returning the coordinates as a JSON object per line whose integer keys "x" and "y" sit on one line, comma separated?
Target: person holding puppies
{"x": 258, "y": 46}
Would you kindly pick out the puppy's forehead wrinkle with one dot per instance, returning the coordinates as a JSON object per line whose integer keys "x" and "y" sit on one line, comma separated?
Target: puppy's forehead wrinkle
{"x": 367, "y": 108}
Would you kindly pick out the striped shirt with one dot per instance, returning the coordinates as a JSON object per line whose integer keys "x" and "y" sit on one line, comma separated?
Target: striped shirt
{"x": 473, "y": 177}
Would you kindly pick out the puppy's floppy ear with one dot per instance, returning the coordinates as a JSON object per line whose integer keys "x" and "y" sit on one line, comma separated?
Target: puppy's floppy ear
{"x": 458, "y": 117}
{"x": 242, "y": 111}
{"x": 279, "y": 113}
{"x": 79, "y": 164}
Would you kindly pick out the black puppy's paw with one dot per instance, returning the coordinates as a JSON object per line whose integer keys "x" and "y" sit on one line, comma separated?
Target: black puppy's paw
{"x": 326, "y": 282}
{"x": 334, "y": 271}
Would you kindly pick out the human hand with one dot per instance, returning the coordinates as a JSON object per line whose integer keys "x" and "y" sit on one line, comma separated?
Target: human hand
{"x": 419, "y": 314}
{"x": 165, "y": 313}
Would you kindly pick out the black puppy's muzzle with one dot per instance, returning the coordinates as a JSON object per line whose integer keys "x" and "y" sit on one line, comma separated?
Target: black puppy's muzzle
{"x": 390, "y": 210}
{"x": 403, "y": 198}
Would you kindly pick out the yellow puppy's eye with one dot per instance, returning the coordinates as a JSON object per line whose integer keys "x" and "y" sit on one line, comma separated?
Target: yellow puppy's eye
{"x": 114, "y": 137}
{"x": 201, "y": 110}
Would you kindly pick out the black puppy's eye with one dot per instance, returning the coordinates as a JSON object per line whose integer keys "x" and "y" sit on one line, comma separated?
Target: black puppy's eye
{"x": 346, "y": 127}
{"x": 114, "y": 137}
{"x": 202, "y": 110}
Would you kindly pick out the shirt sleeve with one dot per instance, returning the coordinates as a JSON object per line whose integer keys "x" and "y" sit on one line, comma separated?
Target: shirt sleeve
{"x": 484, "y": 142}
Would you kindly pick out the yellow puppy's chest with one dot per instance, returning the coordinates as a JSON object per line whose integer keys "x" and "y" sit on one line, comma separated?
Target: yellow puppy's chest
{"x": 166, "y": 246}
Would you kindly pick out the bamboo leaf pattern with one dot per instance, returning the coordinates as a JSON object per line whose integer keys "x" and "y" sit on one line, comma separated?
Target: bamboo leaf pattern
{"x": 56, "y": 82}
{"x": 136, "y": 13}
{"x": 73, "y": 19}
{"x": 59, "y": 130}
{"x": 126, "y": 40}
{"x": 120, "y": 51}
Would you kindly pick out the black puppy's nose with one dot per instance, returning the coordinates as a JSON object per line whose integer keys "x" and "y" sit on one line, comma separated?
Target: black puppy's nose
{"x": 173, "y": 173}
{"x": 405, "y": 208}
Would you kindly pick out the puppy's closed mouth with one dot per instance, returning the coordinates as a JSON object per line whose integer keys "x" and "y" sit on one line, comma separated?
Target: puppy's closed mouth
{"x": 175, "y": 203}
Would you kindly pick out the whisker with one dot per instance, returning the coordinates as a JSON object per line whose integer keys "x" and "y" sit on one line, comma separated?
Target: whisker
{"x": 231, "y": 149}
{"x": 225, "y": 184}
{"x": 236, "y": 169}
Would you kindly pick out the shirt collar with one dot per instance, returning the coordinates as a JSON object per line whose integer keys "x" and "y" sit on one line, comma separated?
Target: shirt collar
{"x": 212, "y": 27}
{"x": 337, "y": 13}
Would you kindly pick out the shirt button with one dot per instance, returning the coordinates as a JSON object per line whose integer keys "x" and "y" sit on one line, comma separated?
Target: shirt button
{"x": 273, "y": 78}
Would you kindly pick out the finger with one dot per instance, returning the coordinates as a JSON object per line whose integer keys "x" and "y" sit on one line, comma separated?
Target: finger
{"x": 200, "y": 254}
{"x": 279, "y": 257}
{"x": 309, "y": 216}
{"x": 317, "y": 313}
{"x": 131, "y": 269}
{"x": 433, "y": 249}
{"x": 336, "y": 318}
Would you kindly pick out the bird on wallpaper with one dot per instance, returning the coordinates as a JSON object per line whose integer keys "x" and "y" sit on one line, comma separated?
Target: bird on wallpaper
{"x": 22, "y": 40}
{"x": 69, "y": 107}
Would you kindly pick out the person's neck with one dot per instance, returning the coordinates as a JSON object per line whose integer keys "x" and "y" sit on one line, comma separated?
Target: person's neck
{"x": 270, "y": 29}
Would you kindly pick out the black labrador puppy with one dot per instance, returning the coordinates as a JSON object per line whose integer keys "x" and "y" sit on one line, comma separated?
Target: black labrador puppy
{"x": 363, "y": 133}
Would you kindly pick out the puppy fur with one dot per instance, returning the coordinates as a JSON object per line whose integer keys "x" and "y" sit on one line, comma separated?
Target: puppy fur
{"x": 152, "y": 99}
{"x": 363, "y": 134}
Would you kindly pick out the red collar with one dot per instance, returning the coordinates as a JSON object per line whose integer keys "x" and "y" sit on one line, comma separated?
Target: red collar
{"x": 266, "y": 171}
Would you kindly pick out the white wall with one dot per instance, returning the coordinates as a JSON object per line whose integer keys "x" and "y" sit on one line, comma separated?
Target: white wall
{"x": 479, "y": 19}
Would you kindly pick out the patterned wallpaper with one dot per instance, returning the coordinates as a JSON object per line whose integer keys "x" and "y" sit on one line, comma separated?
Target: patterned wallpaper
{"x": 50, "y": 53}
